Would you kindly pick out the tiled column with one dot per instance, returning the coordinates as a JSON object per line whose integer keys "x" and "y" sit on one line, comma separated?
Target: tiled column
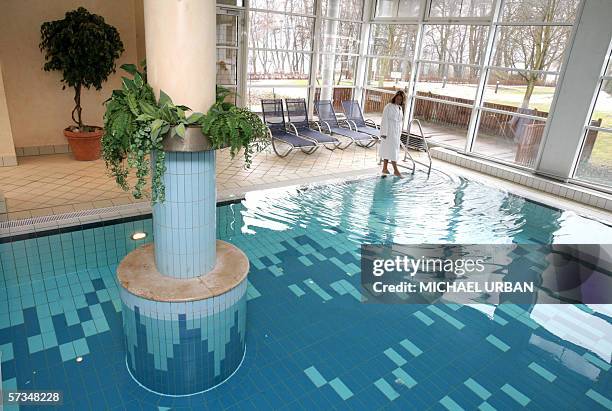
{"x": 180, "y": 348}
{"x": 184, "y": 224}
{"x": 184, "y": 298}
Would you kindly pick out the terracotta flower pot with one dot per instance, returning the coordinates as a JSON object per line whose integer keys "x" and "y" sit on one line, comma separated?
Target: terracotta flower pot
{"x": 85, "y": 145}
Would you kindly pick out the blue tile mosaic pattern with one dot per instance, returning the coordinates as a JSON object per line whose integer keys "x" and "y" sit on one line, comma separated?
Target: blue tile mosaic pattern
{"x": 310, "y": 343}
{"x": 184, "y": 224}
{"x": 184, "y": 348}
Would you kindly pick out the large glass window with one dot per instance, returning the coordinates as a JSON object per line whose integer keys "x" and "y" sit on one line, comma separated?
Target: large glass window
{"x": 398, "y": 8}
{"x": 228, "y": 45}
{"x": 460, "y": 8}
{"x": 521, "y": 78}
{"x": 448, "y": 74}
{"x": 280, "y": 51}
{"x": 393, "y": 40}
{"x": 347, "y": 10}
{"x": 288, "y": 6}
{"x": 595, "y": 161}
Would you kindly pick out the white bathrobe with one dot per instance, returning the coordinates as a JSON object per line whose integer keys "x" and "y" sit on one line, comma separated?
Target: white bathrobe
{"x": 391, "y": 126}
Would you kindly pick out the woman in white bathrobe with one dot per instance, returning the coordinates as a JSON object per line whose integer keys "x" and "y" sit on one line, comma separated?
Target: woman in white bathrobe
{"x": 391, "y": 131}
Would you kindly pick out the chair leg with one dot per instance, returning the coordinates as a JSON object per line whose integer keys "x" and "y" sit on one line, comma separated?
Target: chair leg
{"x": 310, "y": 150}
{"x": 278, "y": 153}
{"x": 346, "y": 146}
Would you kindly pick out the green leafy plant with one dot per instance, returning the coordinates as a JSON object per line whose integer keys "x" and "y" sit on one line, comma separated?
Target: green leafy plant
{"x": 235, "y": 127}
{"x": 84, "y": 48}
{"x": 127, "y": 140}
{"x": 135, "y": 126}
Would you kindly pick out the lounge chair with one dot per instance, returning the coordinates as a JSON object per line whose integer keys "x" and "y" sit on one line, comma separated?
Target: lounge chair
{"x": 274, "y": 119}
{"x": 327, "y": 117}
{"x": 298, "y": 121}
{"x": 354, "y": 115}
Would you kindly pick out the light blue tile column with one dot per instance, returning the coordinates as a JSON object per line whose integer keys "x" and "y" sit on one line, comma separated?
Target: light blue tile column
{"x": 184, "y": 224}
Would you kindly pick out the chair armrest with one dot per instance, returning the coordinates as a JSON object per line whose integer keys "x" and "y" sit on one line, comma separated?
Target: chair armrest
{"x": 327, "y": 125}
{"x": 315, "y": 123}
{"x": 294, "y": 129}
{"x": 371, "y": 123}
{"x": 344, "y": 121}
{"x": 352, "y": 124}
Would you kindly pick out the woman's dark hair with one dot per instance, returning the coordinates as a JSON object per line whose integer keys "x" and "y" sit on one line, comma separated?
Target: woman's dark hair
{"x": 400, "y": 93}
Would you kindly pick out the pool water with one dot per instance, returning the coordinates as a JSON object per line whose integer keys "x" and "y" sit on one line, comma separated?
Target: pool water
{"x": 311, "y": 343}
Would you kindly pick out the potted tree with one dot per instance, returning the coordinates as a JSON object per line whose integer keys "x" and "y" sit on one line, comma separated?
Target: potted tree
{"x": 84, "y": 49}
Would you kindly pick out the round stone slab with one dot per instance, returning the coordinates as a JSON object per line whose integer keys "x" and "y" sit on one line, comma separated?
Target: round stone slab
{"x": 138, "y": 275}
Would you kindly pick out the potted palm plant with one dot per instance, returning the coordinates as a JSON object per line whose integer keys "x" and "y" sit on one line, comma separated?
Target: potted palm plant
{"x": 83, "y": 47}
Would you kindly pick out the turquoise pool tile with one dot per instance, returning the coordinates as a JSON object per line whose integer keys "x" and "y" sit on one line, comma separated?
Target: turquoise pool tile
{"x": 386, "y": 389}
{"x": 395, "y": 357}
{"x": 315, "y": 287}
{"x": 67, "y": 351}
{"x": 80, "y": 301}
{"x": 7, "y": 351}
{"x": 411, "y": 347}
{"x": 515, "y": 394}
{"x": 5, "y": 321}
{"x": 80, "y": 347}
{"x": 96, "y": 311}
{"x": 315, "y": 376}
{"x": 89, "y": 328}
{"x": 103, "y": 296}
{"x": 252, "y": 292}
{"x": 485, "y": 406}
{"x": 405, "y": 378}
{"x": 101, "y": 324}
{"x": 450, "y": 404}
{"x": 597, "y": 361}
{"x": 35, "y": 343}
{"x": 296, "y": 290}
{"x": 600, "y": 399}
{"x": 276, "y": 271}
{"x": 542, "y": 372}
{"x": 341, "y": 389}
{"x": 49, "y": 340}
{"x": 498, "y": 343}
{"x": 425, "y": 319}
{"x": 478, "y": 389}
{"x": 304, "y": 260}
{"x": 46, "y": 325}
{"x": 72, "y": 318}
{"x": 319, "y": 256}
{"x": 446, "y": 317}
{"x": 338, "y": 288}
{"x": 499, "y": 320}
{"x": 16, "y": 317}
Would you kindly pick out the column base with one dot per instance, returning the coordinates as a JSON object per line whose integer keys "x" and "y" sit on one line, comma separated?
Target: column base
{"x": 183, "y": 336}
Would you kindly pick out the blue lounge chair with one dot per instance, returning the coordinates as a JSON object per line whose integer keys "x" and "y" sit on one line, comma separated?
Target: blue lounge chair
{"x": 327, "y": 117}
{"x": 274, "y": 119}
{"x": 354, "y": 115}
{"x": 298, "y": 121}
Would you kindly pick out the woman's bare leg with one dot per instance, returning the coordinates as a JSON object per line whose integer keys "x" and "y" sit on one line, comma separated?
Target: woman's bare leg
{"x": 396, "y": 171}
{"x": 385, "y": 169}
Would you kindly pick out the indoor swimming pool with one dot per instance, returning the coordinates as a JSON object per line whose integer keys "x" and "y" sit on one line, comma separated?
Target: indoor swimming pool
{"x": 311, "y": 343}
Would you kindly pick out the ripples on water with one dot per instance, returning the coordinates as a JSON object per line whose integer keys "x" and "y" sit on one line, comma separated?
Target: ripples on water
{"x": 438, "y": 209}
{"x": 418, "y": 209}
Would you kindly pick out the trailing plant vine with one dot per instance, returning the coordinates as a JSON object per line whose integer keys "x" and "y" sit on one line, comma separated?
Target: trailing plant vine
{"x": 135, "y": 126}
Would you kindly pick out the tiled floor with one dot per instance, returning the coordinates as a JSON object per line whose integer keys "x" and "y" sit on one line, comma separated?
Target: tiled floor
{"x": 55, "y": 184}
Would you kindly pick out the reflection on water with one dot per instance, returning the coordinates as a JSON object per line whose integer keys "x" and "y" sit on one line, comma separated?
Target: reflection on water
{"x": 445, "y": 209}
